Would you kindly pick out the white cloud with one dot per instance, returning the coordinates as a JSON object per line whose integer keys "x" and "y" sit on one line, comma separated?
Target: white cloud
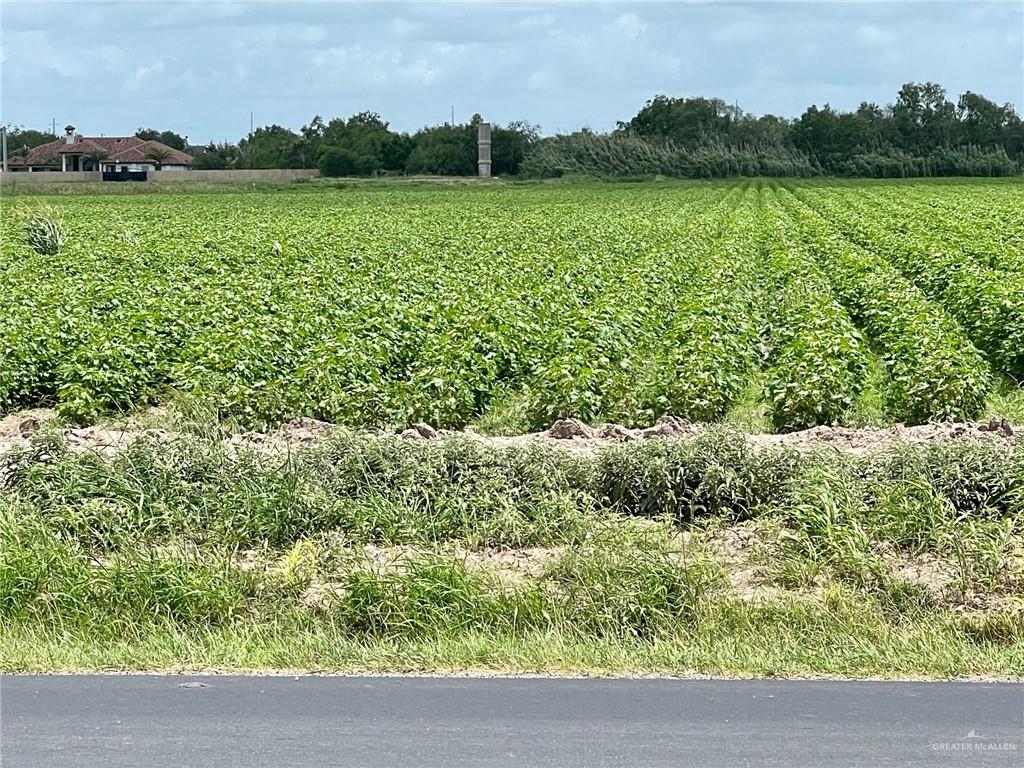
{"x": 34, "y": 49}
{"x": 190, "y": 13}
{"x": 630, "y": 25}
{"x": 165, "y": 74}
{"x": 381, "y": 66}
{"x": 533, "y": 60}
{"x": 143, "y": 73}
{"x": 869, "y": 34}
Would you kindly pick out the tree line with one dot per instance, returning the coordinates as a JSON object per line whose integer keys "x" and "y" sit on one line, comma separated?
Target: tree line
{"x": 922, "y": 133}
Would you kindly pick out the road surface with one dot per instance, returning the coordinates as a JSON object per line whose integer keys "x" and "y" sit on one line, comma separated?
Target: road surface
{"x": 257, "y": 722}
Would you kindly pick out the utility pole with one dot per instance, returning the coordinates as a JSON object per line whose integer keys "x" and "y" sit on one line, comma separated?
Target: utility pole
{"x": 53, "y": 126}
{"x": 250, "y": 123}
{"x": 4, "y": 129}
{"x": 453, "y": 116}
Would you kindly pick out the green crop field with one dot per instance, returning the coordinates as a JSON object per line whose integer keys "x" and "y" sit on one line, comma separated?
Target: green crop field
{"x": 203, "y": 534}
{"x": 799, "y": 304}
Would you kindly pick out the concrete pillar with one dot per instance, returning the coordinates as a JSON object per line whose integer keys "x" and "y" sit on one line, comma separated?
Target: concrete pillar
{"x": 64, "y": 162}
{"x": 483, "y": 144}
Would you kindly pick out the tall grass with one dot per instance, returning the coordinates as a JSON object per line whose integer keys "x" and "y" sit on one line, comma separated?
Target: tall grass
{"x": 593, "y": 154}
{"x": 190, "y": 540}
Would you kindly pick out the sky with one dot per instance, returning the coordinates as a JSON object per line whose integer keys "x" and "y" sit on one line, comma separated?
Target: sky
{"x": 201, "y": 68}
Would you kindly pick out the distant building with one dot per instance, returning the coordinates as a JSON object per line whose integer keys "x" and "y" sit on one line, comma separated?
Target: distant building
{"x": 102, "y": 153}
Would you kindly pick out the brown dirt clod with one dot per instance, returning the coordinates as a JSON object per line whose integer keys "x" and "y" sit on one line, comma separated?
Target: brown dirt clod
{"x": 569, "y": 429}
{"x": 670, "y": 426}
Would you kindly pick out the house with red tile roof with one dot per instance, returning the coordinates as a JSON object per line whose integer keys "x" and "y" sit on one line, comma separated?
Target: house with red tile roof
{"x": 102, "y": 153}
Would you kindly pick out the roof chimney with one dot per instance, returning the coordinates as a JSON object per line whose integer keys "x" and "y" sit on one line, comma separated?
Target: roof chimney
{"x": 69, "y": 134}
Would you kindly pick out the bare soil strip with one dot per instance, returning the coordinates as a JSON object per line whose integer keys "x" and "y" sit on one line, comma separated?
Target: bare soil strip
{"x": 18, "y": 429}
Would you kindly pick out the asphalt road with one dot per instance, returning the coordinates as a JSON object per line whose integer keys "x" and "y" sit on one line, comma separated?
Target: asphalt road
{"x": 208, "y": 722}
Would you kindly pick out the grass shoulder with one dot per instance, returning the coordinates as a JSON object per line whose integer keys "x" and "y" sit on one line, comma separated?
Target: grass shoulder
{"x": 369, "y": 553}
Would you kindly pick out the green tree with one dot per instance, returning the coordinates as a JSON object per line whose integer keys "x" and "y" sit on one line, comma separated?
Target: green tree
{"x": 24, "y": 138}
{"x": 271, "y": 147}
{"x": 338, "y": 161}
{"x": 983, "y": 122}
{"x": 365, "y": 137}
{"x": 215, "y": 157}
{"x": 509, "y": 146}
{"x": 158, "y": 155}
{"x": 444, "y": 150}
{"x": 687, "y": 122}
{"x": 924, "y": 119}
{"x": 396, "y": 150}
{"x": 170, "y": 138}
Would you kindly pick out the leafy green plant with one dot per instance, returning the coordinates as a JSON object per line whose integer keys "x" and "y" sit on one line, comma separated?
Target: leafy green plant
{"x": 933, "y": 369}
{"x": 607, "y": 303}
{"x": 45, "y": 234}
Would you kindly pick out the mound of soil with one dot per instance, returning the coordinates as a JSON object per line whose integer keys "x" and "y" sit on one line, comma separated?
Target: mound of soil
{"x": 18, "y": 429}
{"x": 863, "y": 440}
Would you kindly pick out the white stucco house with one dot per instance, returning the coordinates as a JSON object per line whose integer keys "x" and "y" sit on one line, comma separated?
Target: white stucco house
{"x": 100, "y": 153}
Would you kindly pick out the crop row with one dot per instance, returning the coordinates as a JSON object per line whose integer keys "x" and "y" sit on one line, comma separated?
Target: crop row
{"x": 933, "y": 369}
{"x": 987, "y": 302}
{"x": 383, "y": 307}
{"x": 982, "y": 222}
{"x": 375, "y": 310}
{"x": 603, "y": 347}
{"x": 988, "y": 228}
{"x": 818, "y": 360}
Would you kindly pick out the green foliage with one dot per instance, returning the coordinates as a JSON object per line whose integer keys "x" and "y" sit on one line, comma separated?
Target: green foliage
{"x": 158, "y": 155}
{"x": 818, "y": 361}
{"x": 274, "y": 147}
{"x": 43, "y": 578}
{"x": 20, "y": 139}
{"x": 445, "y": 151}
{"x": 922, "y": 134}
{"x": 339, "y": 162}
{"x": 591, "y": 154}
{"x": 190, "y": 536}
{"x": 170, "y": 138}
{"x": 987, "y": 301}
{"x": 387, "y": 306}
{"x": 959, "y": 502}
{"x": 674, "y": 331}
{"x": 717, "y": 474}
{"x": 934, "y": 370}
{"x": 45, "y": 234}
{"x": 431, "y": 595}
{"x": 364, "y": 145}
{"x": 632, "y": 584}
{"x": 215, "y": 157}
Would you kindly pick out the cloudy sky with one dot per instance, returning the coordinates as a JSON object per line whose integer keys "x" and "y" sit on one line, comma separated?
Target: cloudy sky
{"x": 200, "y": 67}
